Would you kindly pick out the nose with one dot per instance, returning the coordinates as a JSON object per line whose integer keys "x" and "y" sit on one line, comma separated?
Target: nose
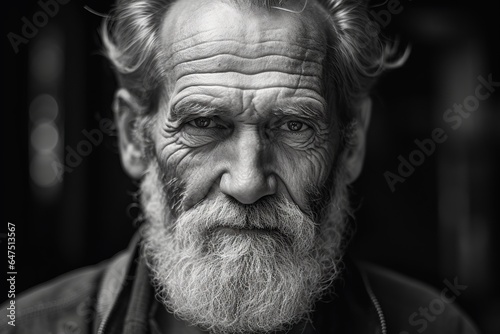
{"x": 248, "y": 177}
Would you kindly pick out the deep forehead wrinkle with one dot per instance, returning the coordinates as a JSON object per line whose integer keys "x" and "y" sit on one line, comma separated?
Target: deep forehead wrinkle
{"x": 242, "y": 65}
{"x": 191, "y": 24}
{"x": 280, "y": 81}
{"x": 266, "y": 37}
{"x": 254, "y": 61}
{"x": 235, "y": 64}
{"x": 237, "y": 48}
{"x": 301, "y": 67}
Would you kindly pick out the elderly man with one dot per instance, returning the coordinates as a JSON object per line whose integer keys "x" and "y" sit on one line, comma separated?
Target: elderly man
{"x": 245, "y": 122}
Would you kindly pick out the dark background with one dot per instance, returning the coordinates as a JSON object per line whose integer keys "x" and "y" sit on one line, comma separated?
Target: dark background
{"x": 441, "y": 223}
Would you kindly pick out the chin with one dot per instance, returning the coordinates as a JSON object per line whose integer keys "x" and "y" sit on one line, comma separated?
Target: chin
{"x": 229, "y": 268}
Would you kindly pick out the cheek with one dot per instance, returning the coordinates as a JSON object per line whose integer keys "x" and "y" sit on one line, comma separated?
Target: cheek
{"x": 198, "y": 168}
{"x": 302, "y": 170}
{"x": 184, "y": 163}
{"x": 195, "y": 169}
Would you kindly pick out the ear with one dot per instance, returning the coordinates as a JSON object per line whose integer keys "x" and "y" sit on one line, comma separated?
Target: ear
{"x": 126, "y": 110}
{"x": 355, "y": 153}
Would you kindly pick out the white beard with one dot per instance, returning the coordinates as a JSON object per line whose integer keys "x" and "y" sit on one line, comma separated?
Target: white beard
{"x": 247, "y": 281}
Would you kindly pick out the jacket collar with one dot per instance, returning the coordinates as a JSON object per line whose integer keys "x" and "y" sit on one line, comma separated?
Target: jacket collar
{"x": 120, "y": 281}
{"x": 125, "y": 297}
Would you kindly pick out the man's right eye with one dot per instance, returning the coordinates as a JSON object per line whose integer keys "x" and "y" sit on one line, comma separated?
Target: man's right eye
{"x": 203, "y": 122}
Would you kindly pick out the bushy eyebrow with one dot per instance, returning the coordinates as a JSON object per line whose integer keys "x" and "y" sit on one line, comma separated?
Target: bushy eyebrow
{"x": 184, "y": 111}
{"x": 301, "y": 111}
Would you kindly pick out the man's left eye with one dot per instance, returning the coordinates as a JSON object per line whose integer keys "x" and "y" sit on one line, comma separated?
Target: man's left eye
{"x": 294, "y": 126}
{"x": 203, "y": 122}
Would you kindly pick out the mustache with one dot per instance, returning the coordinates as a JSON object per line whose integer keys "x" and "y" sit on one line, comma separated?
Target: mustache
{"x": 275, "y": 215}
{"x": 239, "y": 281}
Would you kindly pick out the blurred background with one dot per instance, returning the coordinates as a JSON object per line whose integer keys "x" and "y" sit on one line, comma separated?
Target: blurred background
{"x": 72, "y": 204}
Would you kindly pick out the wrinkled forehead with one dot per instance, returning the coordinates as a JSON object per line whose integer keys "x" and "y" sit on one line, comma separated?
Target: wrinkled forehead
{"x": 194, "y": 28}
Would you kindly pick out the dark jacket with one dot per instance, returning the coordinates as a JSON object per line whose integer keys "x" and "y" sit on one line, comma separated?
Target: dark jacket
{"x": 116, "y": 297}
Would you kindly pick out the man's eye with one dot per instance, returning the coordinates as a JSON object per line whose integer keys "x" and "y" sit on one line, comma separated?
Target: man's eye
{"x": 203, "y": 122}
{"x": 294, "y": 126}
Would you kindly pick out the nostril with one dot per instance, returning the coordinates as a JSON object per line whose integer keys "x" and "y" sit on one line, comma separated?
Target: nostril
{"x": 272, "y": 183}
{"x": 248, "y": 189}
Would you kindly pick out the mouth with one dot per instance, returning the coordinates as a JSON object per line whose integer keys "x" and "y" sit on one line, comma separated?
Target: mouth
{"x": 250, "y": 232}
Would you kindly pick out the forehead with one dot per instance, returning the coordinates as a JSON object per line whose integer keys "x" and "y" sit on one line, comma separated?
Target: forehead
{"x": 251, "y": 54}
{"x": 240, "y": 19}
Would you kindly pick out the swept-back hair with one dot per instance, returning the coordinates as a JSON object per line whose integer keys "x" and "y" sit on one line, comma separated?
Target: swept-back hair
{"x": 356, "y": 55}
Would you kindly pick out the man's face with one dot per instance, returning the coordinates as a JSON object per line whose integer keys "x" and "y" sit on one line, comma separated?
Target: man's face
{"x": 245, "y": 149}
{"x": 244, "y": 113}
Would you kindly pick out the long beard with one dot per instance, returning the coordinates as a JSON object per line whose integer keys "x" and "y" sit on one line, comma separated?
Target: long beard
{"x": 265, "y": 277}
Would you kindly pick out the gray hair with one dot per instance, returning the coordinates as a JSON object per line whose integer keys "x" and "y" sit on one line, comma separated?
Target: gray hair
{"x": 356, "y": 57}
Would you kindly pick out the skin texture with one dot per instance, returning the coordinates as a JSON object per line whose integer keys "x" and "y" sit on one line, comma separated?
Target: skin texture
{"x": 246, "y": 181}
{"x": 244, "y": 111}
